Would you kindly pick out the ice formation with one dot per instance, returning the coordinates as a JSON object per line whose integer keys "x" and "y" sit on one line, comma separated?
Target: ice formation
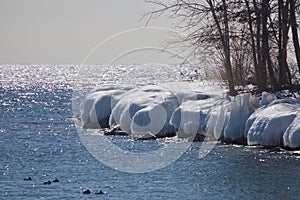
{"x": 154, "y": 119}
{"x": 132, "y": 102}
{"x": 97, "y": 106}
{"x": 266, "y": 98}
{"x": 192, "y": 117}
{"x": 167, "y": 109}
{"x": 291, "y": 137}
{"x": 267, "y": 125}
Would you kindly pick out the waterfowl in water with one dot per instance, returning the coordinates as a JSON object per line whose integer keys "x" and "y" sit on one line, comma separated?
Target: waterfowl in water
{"x": 55, "y": 180}
{"x": 86, "y": 191}
{"x": 47, "y": 183}
{"x": 27, "y": 178}
{"x": 100, "y": 192}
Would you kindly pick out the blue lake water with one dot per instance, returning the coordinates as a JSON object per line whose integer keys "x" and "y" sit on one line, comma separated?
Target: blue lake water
{"x": 38, "y": 138}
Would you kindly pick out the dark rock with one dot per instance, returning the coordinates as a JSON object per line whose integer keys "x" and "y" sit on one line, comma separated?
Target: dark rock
{"x": 240, "y": 141}
{"x": 147, "y": 136}
{"x": 275, "y": 149}
{"x": 114, "y": 131}
{"x": 296, "y": 153}
{"x": 198, "y": 137}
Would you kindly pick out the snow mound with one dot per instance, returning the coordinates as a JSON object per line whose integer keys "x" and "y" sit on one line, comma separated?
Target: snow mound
{"x": 133, "y": 101}
{"x": 267, "y": 98}
{"x": 148, "y": 110}
{"x": 227, "y": 120}
{"x": 154, "y": 119}
{"x": 217, "y": 119}
{"x": 221, "y": 121}
{"x": 96, "y": 107}
{"x": 240, "y": 108}
{"x": 291, "y": 137}
{"x": 191, "y": 117}
{"x": 266, "y": 126}
{"x": 185, "y": 109}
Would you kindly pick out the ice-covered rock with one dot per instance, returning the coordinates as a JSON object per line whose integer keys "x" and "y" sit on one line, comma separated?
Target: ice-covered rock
{"x": 192, "y": 116}
{"x": 291, "y": 137}
{"x": 227, "y": 121}
{"x": 278, "y": 101}
{"x": 266, "y": 126}
{"x": 154, "y": 119}
{"x": 267, "y": 98}
{"x": 221, "y": 121}
{"x": 238, "y": 115}
{"x": 96, "y": 107}
{"x": 149, "y": 109}
{"x": 186, "y": 92}
{"x": 132, "y": 102}
{"x": 217, "y": 120}
{"x": 186, "y": 119}
{"x": 218, "y": 117}
{"x": 165, "y": 109}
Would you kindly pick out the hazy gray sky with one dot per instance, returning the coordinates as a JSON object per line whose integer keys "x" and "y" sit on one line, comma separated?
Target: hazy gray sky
{"x": 64, "y": 31}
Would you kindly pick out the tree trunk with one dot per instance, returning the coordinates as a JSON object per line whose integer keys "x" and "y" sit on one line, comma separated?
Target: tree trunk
{"x": 253, "y": 46}
{"x": 258, "y": 48}
{"x": 264, "y": 46}
{"x": 227, "y": 51}
{"x": 224, "y": 36}
{"x": 266, "y": 58}
{"x": 280, "y": 5}
{"x": 295, "y": 32}
{"x": 271, "y": 72}
{"x": 283, "y": 67}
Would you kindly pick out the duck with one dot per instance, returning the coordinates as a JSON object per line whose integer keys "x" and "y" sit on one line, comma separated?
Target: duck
{"x": 87, "y": 191}
{"x": 100, "y": 192}
{"x": 47, "y": 183}
{"x": 55, "y": 180}
{"x": 27, "y": 178}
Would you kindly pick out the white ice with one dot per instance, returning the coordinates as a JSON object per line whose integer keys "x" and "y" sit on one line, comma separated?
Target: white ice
{"x": 238, "y": 115}
{"x": 185, "y": 109}
{"x": 97, "y": 106}
{"x": 192, "y": 116}
{"x": 154, "y": 119}
{"x": 133, "y": 101}
{"x": 291, "y": 137}
{"x": 228, "y": 120}
{"x": 266, "y": 126}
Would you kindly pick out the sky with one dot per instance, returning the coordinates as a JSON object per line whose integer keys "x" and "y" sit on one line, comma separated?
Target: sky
{"x": 66, "y": 31}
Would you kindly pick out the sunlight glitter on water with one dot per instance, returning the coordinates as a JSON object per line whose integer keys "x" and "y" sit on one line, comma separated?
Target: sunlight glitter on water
{"x": 38, "y": 139}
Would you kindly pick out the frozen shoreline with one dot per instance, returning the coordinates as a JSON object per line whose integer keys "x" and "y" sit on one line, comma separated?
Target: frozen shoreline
{"x": 185, "y": 109}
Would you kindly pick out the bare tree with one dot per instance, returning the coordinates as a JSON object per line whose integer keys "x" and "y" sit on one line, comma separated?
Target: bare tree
{"x": 294, "y": 31}
{"x": 236, "y": 28}
{"x": 189, "y": 12}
